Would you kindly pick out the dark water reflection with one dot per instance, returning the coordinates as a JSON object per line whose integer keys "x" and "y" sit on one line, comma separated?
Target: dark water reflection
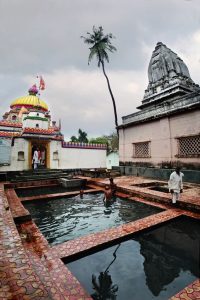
{"x": 154, "y": 265}
{"x": 67, "y": 218}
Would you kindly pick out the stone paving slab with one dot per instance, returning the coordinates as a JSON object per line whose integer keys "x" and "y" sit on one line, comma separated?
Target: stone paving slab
{"x": 23, "y": 275}
{"x": 53, "y": 273}
{"x": 17, "y": 278}
{"x": 16, "y": 207}
{"x": 191, "y": 292}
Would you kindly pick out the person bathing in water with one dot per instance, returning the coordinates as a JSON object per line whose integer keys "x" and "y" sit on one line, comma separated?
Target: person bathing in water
{"x": 107, "y": 200}
{"x": 113, "y": 186}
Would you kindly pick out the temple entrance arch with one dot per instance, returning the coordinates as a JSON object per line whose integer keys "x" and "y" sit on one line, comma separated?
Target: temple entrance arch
{"x": 44, "y": 156}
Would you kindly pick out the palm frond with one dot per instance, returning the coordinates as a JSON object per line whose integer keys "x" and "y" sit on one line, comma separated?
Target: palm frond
{"x": 100, "y": 45}
{"x": 88, "y": 40}
{"x": 93, "y": 53}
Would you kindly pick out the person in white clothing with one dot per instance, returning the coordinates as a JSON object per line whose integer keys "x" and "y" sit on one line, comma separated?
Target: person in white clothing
{"x": 35, "y": 159}
{"x": 175, "y": 184}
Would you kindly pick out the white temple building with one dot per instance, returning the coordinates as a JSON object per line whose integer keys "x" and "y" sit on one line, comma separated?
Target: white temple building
{"x": 27, "y": 126}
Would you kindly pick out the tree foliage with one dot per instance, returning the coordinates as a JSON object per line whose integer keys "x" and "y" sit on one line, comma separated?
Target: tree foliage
{"x": 99, "y": 140}
{"x": 82, "y": 137}
{"x": 110, "y": 140}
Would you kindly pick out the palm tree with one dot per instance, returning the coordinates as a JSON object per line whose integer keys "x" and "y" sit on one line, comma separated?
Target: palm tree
{"x": 104, "y": 287}
{"x": 82, "y": 136}
{"x": 100, "y": 45}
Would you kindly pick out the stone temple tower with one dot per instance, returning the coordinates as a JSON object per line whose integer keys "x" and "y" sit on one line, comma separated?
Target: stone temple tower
{"x": 168, "y": 76}
{"x": 165, "y": 130}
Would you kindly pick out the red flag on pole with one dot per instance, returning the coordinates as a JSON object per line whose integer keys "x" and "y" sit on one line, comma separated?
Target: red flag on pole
{"x": 42, "y": 84}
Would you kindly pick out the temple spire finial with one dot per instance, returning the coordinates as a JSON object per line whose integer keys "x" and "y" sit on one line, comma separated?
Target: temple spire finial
{"x": 33, "y": 90}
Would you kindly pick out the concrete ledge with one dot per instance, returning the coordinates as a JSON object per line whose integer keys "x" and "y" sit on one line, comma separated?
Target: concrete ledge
{"x": 72, "y": 183}
{"x": 157, "y": 173}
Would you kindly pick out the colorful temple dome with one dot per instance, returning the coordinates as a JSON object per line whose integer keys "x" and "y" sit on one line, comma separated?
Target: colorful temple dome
{"x": 30, "y": 101}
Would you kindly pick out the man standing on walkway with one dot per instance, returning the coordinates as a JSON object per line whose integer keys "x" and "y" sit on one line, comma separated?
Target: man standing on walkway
{"x": 175, "y": 184}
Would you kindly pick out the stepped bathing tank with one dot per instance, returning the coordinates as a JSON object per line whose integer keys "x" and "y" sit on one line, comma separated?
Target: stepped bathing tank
{"x": 64, "y": 219}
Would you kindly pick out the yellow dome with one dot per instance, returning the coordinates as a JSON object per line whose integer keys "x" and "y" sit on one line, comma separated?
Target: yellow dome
{"x": 28, "y": 101}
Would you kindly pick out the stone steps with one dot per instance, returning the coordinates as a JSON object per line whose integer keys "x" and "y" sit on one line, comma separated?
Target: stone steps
{"x": 39, "y": 176}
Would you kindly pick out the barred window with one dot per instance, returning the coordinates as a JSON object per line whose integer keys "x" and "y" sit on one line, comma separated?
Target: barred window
{"x": 189, "y": 146}
{"x": 141, "y": 149}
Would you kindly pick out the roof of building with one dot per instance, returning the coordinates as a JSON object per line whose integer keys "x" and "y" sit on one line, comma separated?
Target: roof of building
{"x": 10, "y": 124}
{"x": 29, "y": 101}
{"x": 38, "y": 130}
{"x": 9, "y": 134}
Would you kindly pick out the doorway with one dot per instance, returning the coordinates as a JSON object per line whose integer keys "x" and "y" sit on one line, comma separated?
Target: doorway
{"x": 43, "y": 154}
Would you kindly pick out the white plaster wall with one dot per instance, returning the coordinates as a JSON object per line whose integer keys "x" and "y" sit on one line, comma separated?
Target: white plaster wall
{"x": 112, "y": 160}
{"x": 32, "y": 123}
{"x": 36, "y": 114}
{"x": 82, "y": 158}
{"x": 162, "y": 135}
{"x": 55, "y": 146}
{"x": 68, "y": 158}
{"x": 17, "y": 165}
{"x": 73, "y": 158}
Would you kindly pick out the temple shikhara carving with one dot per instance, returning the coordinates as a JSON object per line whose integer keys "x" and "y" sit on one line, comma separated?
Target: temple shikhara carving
{"x": 27, "y": 127}
{"x": 166, "y": 130}
{"x": 167, "y": 74}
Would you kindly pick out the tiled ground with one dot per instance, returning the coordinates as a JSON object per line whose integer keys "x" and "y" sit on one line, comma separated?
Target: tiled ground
{"x": 30, "y": 269}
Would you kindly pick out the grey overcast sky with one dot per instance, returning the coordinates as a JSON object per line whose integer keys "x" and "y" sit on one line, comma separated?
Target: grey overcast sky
{"x": 42, "y": 37}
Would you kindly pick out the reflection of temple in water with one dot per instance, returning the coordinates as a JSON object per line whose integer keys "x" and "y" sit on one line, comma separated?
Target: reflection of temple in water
{"x": 167, "y": 250}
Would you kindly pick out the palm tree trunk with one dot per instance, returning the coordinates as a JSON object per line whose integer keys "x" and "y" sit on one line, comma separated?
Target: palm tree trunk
{"x": 112, "y": 97}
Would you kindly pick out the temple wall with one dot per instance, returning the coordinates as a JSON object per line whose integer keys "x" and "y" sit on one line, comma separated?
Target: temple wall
{"x": 162, "y": 135}
{"x": 32, "y": 124}
{"x": 76, "y": 158}
{"x": 55, "y": 155}
{"x": 59, "y": 157}
{"x": 112, "y": 160}
{"x": 187, "y": 124}
{"x": 18, "y": 162}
